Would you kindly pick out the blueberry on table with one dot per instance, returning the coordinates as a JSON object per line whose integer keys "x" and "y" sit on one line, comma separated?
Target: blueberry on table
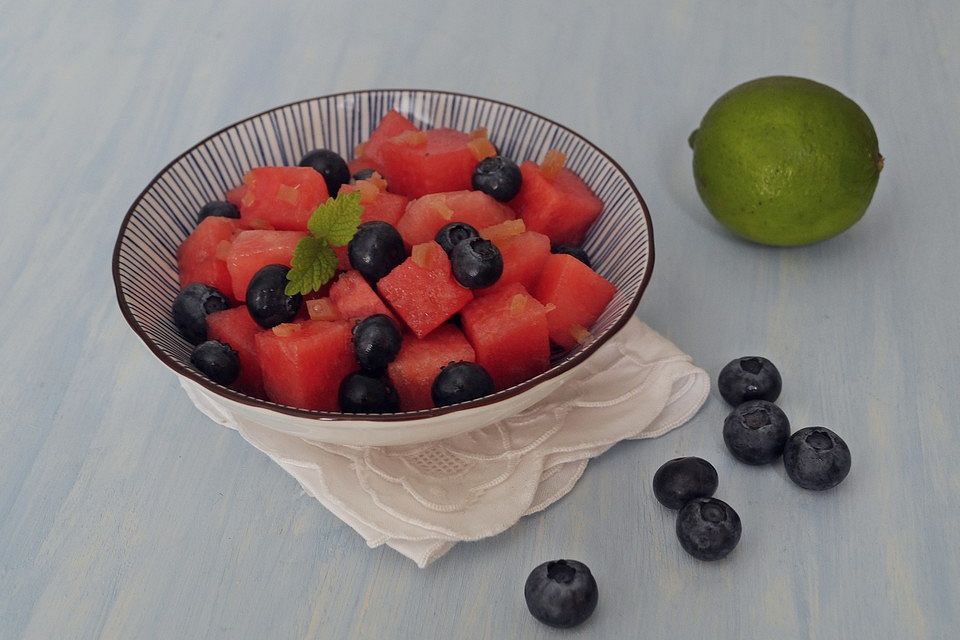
{"x": 460, "y": 382}
{"x": 363, "y": 174}
{"x": 376, "y": 249}
{"x": 453, "y": 233}
{"x": 683, "y": 479}
{"x": 573, "y": 250}
{"x": 360, "y": 393}
{"x": 756, "y": 431}
{"x": 218, "y": 208}
{"x": 266, "y": 301}
{"x": 330, "y": 165}
{"x": 476, "y": 263}
{"x": 217, "y": 361}
{"x": 708, "y": 528}
{"x": 816, "y": 458}
{"x": 376, "y": 342}
{"x": 749, "y": 378}
{"x": 192, "y": 306}
{"x": 498, "y": 177}
{"x": 561, "y": 593}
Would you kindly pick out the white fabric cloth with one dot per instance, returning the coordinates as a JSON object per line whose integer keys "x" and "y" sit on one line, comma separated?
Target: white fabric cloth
{"x": 422, "y": 499}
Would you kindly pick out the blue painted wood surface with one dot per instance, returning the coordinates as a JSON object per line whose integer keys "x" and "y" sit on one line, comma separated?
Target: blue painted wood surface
{"x": 124, "y": 513}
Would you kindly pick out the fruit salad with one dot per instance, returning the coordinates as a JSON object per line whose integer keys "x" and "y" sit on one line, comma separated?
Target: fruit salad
{"x": 427, "y": 271}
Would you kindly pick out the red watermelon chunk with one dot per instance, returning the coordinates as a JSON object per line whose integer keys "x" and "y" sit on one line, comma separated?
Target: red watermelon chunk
{"x": 386, "y": 207}
{"x": 390, "y": 126}
{"x": 304, "y": 367}
{"x": 508, "y": 331}
{"x": 578, "y": 293}
{"x": 420, "y": 360}
{"x": 562, "y": 208}
{"x": 253, "y": 250}
{"x": 281, "y": 197}
{"x": 343, "y": 258}
{"x": 212, "y": 272}
{"x": 425, "y": 216}
{"x": 422, "y": 289}
{"x": 355, "y": 299}
{"x": 523, "y": 258}
{"x": 201, "y": 256}
{"x": 440, "y": 160}
{"x": 236, "y": 328}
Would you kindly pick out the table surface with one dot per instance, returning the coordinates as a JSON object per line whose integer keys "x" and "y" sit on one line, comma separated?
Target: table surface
{"x": 124, "y": 513}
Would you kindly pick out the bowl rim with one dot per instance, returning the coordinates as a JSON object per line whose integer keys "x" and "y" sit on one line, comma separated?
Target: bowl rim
{"x": 406, "y": 416}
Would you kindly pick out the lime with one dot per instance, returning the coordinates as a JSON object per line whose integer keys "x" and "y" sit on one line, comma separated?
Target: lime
{"x": 786, "y": 161}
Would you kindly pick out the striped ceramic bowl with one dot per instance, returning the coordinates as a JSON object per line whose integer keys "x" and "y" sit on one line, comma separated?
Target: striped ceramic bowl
{"x": 620, "y": 245}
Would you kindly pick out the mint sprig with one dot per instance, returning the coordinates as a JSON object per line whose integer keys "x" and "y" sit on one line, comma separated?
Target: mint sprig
{"x": 332, "y": 224}
{"x": 337, "y": 219}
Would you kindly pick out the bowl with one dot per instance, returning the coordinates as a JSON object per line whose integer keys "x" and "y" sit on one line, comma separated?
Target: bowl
{"x": 620, "y": 244}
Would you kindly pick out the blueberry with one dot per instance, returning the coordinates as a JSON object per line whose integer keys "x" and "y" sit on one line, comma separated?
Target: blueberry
{"x": 561, "y": 593}
{"x": 476, "y": 263}
{"x": 708, "y": 528}
{"x": 376, "y": 342}
{"x": 360, "y": 393}
{"x": 218, "y": 208}
{"x": 452, "y": 234}
{"x": 375, "y": 250}
{"x": 683, "y": 479}
{"x": 756, "y": 431}
{"x": 330, "y": 165}
{"x": 192, "y": 306}
{"x": 363, "y": 174}
{"x": 266, "y": 301}
{"x": 460, "y": 382}
{"x": 498, "y": 177}
{"x": 574, "y": 251}
{"x": 751, "y": 378}
{"x": 816, "y": 458}
{"x": 217, "y": 361}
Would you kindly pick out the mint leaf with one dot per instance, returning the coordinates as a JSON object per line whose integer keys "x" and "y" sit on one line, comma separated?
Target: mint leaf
{"x": 314, "y": 263}
{"x": 337, "y": 219}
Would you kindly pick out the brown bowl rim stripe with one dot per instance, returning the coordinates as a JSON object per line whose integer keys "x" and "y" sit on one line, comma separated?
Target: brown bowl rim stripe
{"x": 244, "y": 399}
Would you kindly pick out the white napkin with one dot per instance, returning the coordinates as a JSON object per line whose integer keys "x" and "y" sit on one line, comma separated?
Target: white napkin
{"x": 422, "y": 499}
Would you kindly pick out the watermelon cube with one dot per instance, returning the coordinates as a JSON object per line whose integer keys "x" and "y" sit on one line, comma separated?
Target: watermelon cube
{"x": 425, "y": 216}
{"x": 562, "y": 208}
{"x": 343, "y": 258}
{"x": 390, "y": 126}
{"x": 303, "y": 364}
{"x": 508, "y": 331}
{"x": 384, "y": 206}
{"x": 578, "y": 294}
{"x": 422, "y": 289}
{"x": 236, "y": 328}
{"x": 355, "y": 299}
{"x": 523, "y": 258}
{"x": 438, "y": 160}
{"x": 420, "y": 360}
{"x": 201, "y": 256}
{"x": 255, "y": 249}
{"x": 281, "y": 197}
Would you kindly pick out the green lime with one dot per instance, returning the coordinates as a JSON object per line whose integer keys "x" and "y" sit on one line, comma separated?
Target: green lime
{"x": 786, "y": 161}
